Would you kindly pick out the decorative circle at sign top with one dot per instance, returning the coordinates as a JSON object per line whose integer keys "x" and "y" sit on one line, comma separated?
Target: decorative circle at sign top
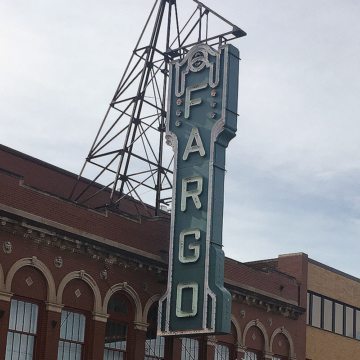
{"x": 198, "y": 61}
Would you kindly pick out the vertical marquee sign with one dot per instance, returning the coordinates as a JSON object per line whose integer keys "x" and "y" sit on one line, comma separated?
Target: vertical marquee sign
{"x": 201, "y": 120}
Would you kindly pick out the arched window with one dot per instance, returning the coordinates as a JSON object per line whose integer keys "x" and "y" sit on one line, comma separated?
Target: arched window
{"x": 23, "y": 324}
{"x": 254, "y": 343}
{"x": 26, "y": 313}
{"x": 78, "y": 299}
{"x": 154, "y": 345}
{"x": 280, "y": 347}
{"x": 118, "y": 327}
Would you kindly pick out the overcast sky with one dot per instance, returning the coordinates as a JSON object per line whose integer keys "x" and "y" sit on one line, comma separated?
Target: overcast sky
{"x": 292, "y": 183}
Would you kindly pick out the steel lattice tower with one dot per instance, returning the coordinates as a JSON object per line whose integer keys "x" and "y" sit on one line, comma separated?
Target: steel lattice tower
{"x": 127, "y": 157}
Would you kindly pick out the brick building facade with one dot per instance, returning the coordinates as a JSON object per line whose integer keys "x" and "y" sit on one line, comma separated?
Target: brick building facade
{"x": 79, "y": 283}
{"x": 333, "y": 316}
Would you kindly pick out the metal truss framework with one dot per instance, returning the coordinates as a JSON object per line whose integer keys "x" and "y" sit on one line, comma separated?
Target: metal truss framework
{"x": 128, "y": 157}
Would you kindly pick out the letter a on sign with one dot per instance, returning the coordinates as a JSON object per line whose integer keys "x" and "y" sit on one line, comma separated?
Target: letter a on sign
{"x": 191, "y": 147}
{"x": 201, "y": 121}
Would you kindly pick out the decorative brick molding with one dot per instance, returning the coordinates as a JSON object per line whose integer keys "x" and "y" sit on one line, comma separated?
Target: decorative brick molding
{"x": 149, "y": 303}
{"x": 36, "y": 263}
{"x": 100, "y": 317}
{"x": 133, "y": 295}
{"x": 282, "y": 330}
{"x": 82, "y": 275}
{"x": 54, "y": 307}
{"x": 5, "y": 296}
{"x": 7, "y": 247}
{"x": 238, "y": 330}
{"x": 140, "y": 326}
{"x": 262, "y": 328}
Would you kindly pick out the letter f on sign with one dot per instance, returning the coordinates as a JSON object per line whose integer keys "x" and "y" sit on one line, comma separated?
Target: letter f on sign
{"x": 190, "y": 102}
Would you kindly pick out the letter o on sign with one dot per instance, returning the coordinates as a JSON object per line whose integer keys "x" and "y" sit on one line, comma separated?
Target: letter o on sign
{"x": 194, "y": 300}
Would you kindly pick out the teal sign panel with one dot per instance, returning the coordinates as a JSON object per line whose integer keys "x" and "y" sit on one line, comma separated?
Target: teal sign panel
{"x": 201, "y": 120}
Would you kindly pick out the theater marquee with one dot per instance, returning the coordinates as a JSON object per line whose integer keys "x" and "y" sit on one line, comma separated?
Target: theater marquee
{"x": 201, "y": 120}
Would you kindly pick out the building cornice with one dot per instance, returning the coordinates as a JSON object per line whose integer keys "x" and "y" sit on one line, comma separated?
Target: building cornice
{"x": 44, "y": 223}
{"x": 269, "y": 303}
{"x": 41, "y": 232}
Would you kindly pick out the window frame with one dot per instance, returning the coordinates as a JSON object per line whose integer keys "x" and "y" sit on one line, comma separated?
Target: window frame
{"x": 190, "y": 356}
{"x": 84, "y": 345}
{"x": 152, "y": 317}
{"x": 40, "y": 308}
{"x": 123, "y": 319}
{"x": 259, "y": 354}
{"x": 230, "y": 348}
{"x": 355, "y": 315}
{"x": 115, "y": 350}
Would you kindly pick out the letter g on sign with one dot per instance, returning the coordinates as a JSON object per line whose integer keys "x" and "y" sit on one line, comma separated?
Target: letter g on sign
{"x": 193, "y": 246}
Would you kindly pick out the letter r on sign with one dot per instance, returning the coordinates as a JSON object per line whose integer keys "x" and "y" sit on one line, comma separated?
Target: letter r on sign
{"x": 194, "y": 193}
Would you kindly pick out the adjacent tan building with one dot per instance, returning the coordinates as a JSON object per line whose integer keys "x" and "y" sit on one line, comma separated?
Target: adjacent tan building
{"x": 332, "y": 303}
{"x": 333, "y": 317}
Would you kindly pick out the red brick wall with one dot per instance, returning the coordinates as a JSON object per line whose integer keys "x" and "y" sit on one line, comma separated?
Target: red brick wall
{"x": 21, "y": 192}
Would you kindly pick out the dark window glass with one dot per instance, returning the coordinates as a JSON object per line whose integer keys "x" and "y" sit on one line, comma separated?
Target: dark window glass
{"x": 357, "y": 327}
{"x": 316, "y": 311}
{"x": 118, "y": 330}
{"x": 328, "y": 314}
{"x": 23, "y": 320}
{"x": 154, "y": 344}
{"x": 339, "y": 318}
{"x": 118, "y": 305}
{"x": 308, "y": 309}
{"x": 349, "y": 321}
{"x": 115, "y": 340}
{"x": 72, "y": 331}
